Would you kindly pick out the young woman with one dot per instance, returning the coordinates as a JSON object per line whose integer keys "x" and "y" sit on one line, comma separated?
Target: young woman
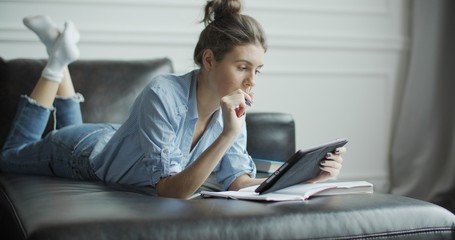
{"x": 182, "y": 128}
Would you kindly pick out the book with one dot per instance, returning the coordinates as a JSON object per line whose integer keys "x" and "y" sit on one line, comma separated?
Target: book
{"x": 266, "y": 166}
{"x": 298, "y": 192}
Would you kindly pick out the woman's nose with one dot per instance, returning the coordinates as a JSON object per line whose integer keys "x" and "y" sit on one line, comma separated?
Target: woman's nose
{"x": 251, "y": 80}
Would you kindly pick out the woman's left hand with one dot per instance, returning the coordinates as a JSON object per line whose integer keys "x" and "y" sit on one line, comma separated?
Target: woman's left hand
{"x": 330, "y": 165}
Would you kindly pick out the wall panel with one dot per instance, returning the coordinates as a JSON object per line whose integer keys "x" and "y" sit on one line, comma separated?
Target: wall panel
{"x": 336, "y": 65}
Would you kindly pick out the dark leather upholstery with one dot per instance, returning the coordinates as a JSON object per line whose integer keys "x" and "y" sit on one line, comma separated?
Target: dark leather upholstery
{"x": 277, "y": 128}
{"x": 109, "y": 87}
{"x": 52, "y": 208}
{"x": 34, "y": 207}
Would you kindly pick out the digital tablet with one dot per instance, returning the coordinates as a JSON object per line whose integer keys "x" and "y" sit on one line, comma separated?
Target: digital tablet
{"x": 300, "y": 167}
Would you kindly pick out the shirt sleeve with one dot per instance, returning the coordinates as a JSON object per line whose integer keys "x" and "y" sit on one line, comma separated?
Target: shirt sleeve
{"x": 235, "y": 162}
{"x": 159, "y": 116}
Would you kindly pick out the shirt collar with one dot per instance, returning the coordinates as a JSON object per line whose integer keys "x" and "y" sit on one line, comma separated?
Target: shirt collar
{"x": 217, "y": 118}
{"x": 192, "y": 98}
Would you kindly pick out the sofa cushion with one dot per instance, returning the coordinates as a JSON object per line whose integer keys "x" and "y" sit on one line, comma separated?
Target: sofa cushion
{"x": 33, "y": 207}
{"x": 117, "y": 82}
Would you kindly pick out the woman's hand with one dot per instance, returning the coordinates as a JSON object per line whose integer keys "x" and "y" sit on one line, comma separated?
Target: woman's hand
{"x": 234, "y": 107}
{"x": 330, "y": 165}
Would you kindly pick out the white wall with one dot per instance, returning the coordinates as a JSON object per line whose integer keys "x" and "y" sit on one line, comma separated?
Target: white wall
{"x": 336, "y": 65}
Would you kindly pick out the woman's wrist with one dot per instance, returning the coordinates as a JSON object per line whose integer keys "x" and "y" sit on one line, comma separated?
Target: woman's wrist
{"x": 229, "y": 135}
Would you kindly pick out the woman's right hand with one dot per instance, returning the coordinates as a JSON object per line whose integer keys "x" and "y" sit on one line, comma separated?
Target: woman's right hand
{"x": 330, "y": 166}
{"x": 234, "y": 107}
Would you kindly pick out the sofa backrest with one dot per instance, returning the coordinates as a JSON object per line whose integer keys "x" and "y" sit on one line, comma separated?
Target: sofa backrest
{"x": 270, "y": 136}
{"x": 110, "y": 87}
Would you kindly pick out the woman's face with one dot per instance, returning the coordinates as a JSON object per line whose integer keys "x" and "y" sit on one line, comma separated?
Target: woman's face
{"x": 237, "y": 70}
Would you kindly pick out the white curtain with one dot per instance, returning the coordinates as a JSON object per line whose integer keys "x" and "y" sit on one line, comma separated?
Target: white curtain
{"x": 423, "y": 147}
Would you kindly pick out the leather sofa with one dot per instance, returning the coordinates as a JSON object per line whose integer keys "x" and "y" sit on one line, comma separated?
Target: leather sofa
{"x": 38, "y": 207}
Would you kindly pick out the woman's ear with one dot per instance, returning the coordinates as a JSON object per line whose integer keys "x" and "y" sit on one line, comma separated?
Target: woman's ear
{"x": 207, "y": 59}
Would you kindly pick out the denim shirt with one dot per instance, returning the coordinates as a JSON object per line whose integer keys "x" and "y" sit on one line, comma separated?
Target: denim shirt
{"x": 155, "y": 141}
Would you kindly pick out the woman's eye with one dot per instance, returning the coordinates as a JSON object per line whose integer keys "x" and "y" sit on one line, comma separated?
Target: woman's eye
{"x": 257, "y": 72}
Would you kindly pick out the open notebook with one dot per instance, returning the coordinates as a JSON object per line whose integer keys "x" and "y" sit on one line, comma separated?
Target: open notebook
{"x": 298, "y": 192}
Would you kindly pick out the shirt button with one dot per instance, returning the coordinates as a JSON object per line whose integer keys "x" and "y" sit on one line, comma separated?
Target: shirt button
{"x": 165, "y": 151}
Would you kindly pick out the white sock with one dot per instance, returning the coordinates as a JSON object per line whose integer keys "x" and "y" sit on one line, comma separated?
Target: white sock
{"x": 45, "y": 28}
{"x": 64, "y": 51}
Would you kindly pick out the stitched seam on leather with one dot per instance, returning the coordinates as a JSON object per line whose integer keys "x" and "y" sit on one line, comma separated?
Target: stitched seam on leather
{"x": 13, "y": 210}
{"x": 386, "y": 235}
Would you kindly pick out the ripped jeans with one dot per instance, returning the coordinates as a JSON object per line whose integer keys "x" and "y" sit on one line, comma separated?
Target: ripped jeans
{"x": 64, "y": 152}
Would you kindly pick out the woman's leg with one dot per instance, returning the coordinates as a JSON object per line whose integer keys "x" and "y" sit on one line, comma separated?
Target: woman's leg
{"x": 66, "y": 103}
{"x": 44, "y": 92}
{"x": 64, "y": 152}
{"x": 66, "y": 88}
{"x": 47, "y": 31}
{"x": 45, "y": 28}
{"x": 28, "y": 125}
{"x": 33, "y": 112}
{"x": 64, "y": 51}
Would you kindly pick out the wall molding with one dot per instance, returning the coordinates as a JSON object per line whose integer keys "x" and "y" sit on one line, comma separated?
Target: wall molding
{"x": 258, "y": 5}
{"x": 185, "y": 37}
{"x": 351, "y": 42}
{"x": 319, "y": 7}
{"x": 329, "y": 72}
{"x": 155, "y": 3}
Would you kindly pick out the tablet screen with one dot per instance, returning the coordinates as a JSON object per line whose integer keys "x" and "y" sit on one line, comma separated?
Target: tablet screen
{"x": 300, "y": 167}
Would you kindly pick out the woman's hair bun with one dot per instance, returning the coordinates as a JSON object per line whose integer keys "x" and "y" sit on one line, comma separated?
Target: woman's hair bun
{"x": 226, "y": 28}
{"x": 217, "y": 9}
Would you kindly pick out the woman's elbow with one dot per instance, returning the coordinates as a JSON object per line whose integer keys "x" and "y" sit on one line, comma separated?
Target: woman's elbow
{"x": 164, "y": 190}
